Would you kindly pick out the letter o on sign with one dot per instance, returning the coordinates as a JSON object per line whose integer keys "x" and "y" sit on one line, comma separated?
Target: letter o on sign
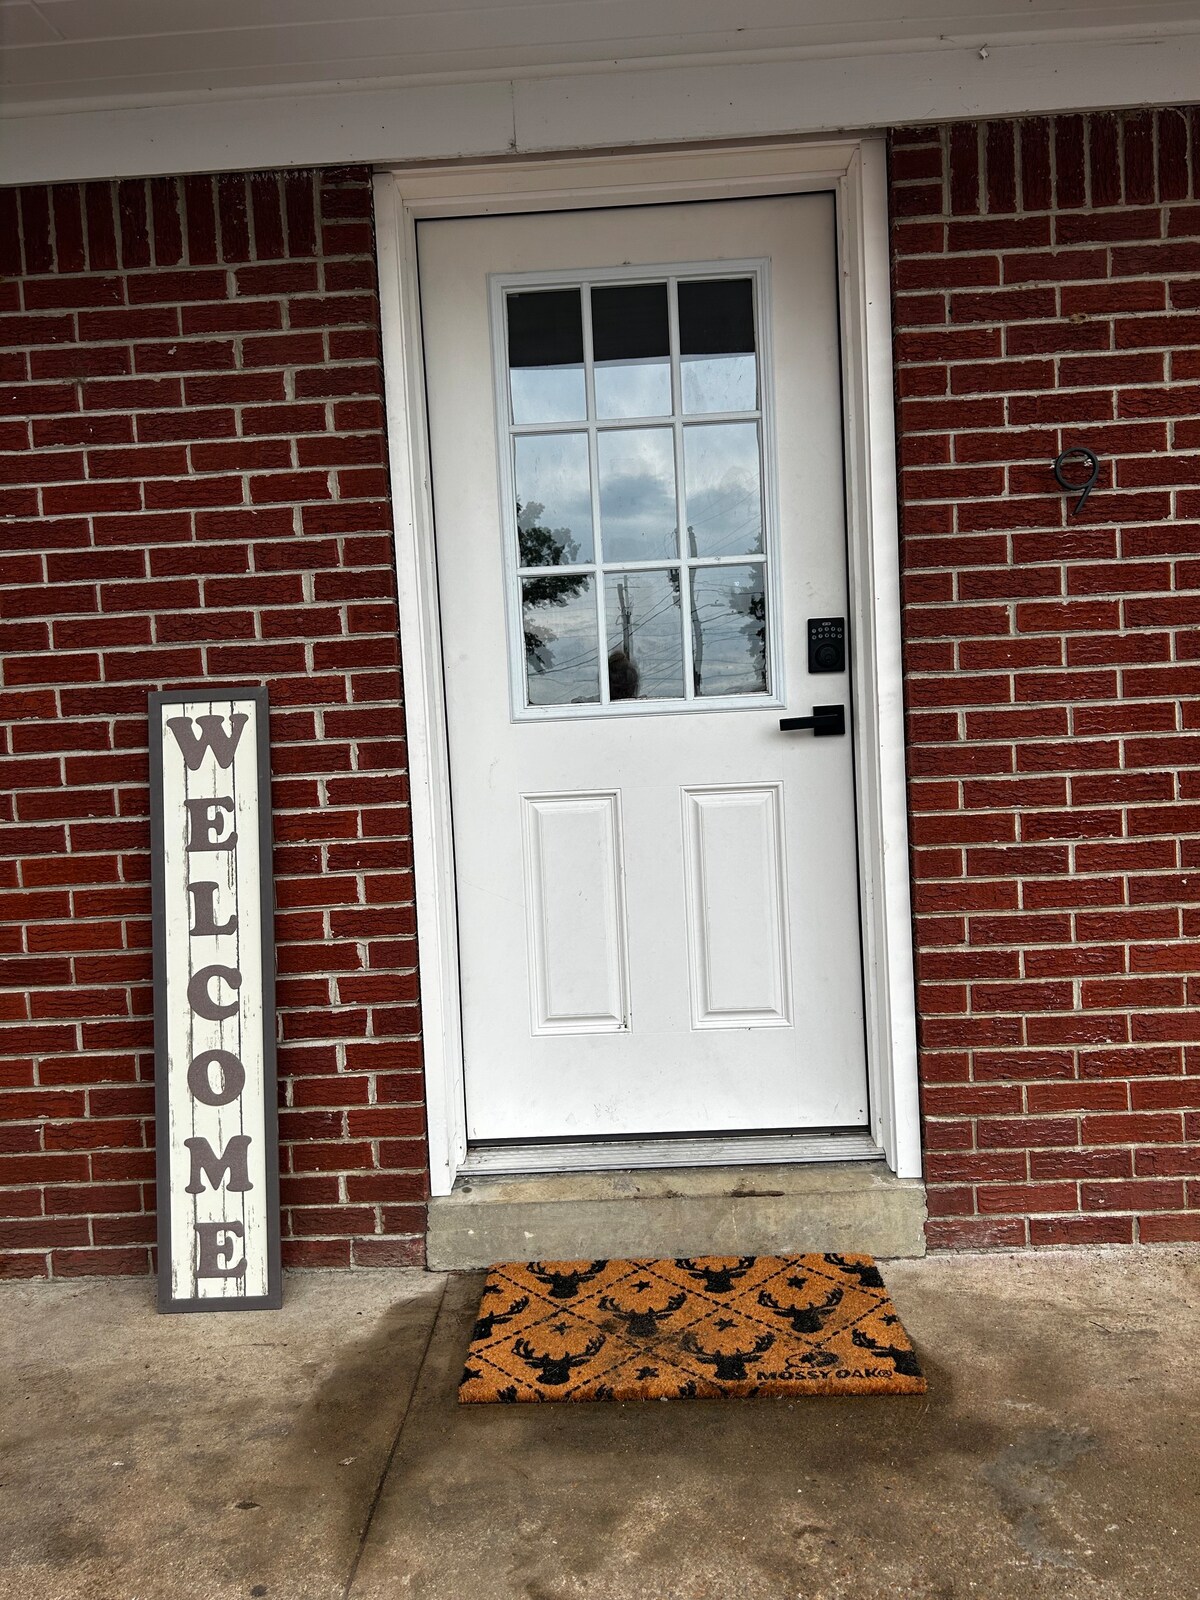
{"x": 233, "y": 1077}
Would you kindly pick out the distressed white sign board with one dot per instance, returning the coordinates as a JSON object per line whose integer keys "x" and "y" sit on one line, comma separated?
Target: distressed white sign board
{"x": 214, "y": 984}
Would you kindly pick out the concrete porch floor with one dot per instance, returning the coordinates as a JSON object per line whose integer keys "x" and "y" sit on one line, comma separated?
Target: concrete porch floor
{"x": 318, "y": 1454}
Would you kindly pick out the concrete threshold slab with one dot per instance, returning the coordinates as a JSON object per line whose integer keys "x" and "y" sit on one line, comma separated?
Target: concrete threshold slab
{"x": 761, "y": 1210}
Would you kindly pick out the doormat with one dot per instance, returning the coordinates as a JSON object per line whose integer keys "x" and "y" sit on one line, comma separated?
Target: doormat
{"x": 713, "y": 1327}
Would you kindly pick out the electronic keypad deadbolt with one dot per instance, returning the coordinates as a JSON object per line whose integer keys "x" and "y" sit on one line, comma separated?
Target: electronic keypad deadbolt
{"x": 827, "y": 644}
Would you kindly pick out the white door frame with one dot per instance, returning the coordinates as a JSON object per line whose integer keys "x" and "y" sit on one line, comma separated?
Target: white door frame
{"x": 855, "y": 169}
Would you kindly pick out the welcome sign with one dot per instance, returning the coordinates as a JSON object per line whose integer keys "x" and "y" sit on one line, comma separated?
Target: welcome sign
{"x": 214, "y": 986}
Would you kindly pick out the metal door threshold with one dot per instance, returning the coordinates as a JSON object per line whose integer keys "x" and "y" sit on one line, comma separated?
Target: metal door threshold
{"x": 615, "y": 1155}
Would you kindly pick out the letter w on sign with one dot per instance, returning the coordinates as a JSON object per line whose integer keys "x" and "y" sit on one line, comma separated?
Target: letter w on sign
{"x": 214, "y": 736}
{"x": 214, "y": 1001}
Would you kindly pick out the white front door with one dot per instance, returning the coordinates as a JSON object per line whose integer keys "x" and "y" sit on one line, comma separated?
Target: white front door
{"x": 657, "y": 887}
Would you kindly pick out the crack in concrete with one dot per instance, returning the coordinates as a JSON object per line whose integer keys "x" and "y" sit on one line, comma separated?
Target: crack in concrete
{"x": 395, "y": 1445}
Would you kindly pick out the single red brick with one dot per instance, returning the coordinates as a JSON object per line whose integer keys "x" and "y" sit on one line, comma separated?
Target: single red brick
{"x": 233, "y": 214}
{"x": 1072, "y": 1230}
{"x": 167, "y": 227}
{"x": 36, "y": 229}
{"x": 134, "y": 219}
{"x": 267, "y": 213}
{"x": 1139, "y": 157}
{"x": 1024, "y": 1198}
{"x": 128, "y": 1262}
{"x": 1172, "y": 155}
{"x": 1069, "y": 160}
{"x": 168, "y": 288}
{"x": 199, "y": 203}
{"x": 186, "y": 355}
{"x": 964, "y": 170}
{"x": 976, "y": 1233}
{"x": 1179, "y": 1229}
{"x": 1036, "y": 190}
{"x": 1104, "y": 162}
{"x": 1127, "y": 223}
{"x": 316, "y": 1253}
{"x": 1133, "y": 1128}
{"x": 403, "y": 1251}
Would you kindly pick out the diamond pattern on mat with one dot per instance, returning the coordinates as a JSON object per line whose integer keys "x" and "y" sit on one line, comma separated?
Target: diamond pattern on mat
{"x": 714, "y": 1326}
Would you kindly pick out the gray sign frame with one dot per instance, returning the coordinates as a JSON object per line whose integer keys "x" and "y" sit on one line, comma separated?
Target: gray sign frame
{"x": 159, "y": 699}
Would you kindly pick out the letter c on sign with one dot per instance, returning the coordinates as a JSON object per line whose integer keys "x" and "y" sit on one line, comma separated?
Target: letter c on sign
{"x": 233, "y": 1078}
{"x": 199, "y": 992}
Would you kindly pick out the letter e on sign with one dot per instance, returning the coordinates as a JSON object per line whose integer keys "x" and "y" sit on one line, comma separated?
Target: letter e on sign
{"x": 214, "y": 1001}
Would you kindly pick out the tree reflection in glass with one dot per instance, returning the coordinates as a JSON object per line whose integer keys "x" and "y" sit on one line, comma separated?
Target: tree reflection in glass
{"x": 558, "y": 617}
{"x": 552, "y": 473}
{"x": 729, "y": 630}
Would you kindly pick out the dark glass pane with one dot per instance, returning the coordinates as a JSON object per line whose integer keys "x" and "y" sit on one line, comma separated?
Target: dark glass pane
{"x": 716, "y": 317}
{"x": 629, "y": 322}
{"x": 716, "y": 345}
{"x": 631, "y": 346}
{"x": 545, "y": 328}
{"x": 545, "y": 355}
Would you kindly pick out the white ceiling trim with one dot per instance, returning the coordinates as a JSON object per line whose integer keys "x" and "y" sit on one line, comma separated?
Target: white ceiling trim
{"x": 314, "y": 56}
{"x": 596, "y": 109}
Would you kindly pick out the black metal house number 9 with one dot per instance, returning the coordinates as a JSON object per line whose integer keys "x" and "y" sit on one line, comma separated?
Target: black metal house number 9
{"x": 1076, "y": 461}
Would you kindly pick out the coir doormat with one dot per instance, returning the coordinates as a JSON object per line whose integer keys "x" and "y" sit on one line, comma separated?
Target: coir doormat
{"x": 703, "y": 1328}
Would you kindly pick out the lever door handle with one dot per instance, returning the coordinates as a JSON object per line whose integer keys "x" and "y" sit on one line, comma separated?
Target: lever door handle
{"x": 825, "y": 720}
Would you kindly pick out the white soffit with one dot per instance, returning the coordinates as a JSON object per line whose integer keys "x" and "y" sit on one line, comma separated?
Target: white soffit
{"x": 94, "y": 88}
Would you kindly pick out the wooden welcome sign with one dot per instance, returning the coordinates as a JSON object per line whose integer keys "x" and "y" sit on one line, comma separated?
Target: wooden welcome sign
{"x": 214, "y": 996}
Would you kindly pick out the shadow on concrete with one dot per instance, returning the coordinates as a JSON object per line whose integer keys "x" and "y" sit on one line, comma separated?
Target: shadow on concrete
{"x": 318, "y": 1453}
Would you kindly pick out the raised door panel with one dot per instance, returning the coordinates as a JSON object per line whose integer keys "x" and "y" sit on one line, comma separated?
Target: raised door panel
{"x": 573, "y": 891}
{"x": 737, "y": 898}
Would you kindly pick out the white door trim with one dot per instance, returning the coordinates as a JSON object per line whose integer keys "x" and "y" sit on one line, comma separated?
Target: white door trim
{"x": 856, "y": 170}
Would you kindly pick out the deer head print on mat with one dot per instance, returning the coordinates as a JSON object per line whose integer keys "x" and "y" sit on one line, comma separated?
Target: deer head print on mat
{"x": 565, "y": 1285}
{"x": 804, "y": 1319}
{"x": 717, "y": 1280}
{"x": 728, "y": 1365}
{"x": 557, "y": 1369}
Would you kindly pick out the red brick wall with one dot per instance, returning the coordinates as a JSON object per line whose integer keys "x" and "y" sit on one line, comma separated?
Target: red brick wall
{"x": 1047, "y": 293}
{"x": 192, "y": 488}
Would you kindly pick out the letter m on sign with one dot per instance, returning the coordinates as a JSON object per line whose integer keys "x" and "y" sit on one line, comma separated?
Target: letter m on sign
{"x": 214, "y": 1001}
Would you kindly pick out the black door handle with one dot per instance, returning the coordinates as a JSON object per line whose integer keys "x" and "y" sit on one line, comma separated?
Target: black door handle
{"x": 825, "y": 720}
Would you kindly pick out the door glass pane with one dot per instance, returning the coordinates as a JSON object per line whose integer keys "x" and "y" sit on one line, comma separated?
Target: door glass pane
{"x": 562, "y": 658}
{"x": 637, "y": 494}
{"x": 545, "y": 356}
{"x": 622, "y": 569}
{"x": 724, "y": 502}
{"x": 729, "y": 630}
{"x": 644, "y": 635}
{"x": 554, "y": 499}
{"x": 716, "y": 345}
{"x": 631, "y": 349}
